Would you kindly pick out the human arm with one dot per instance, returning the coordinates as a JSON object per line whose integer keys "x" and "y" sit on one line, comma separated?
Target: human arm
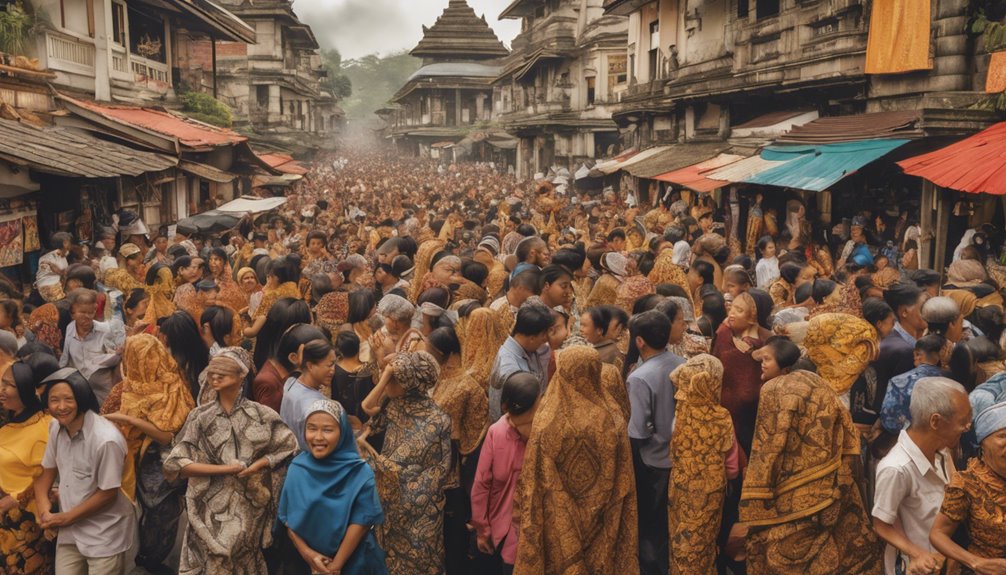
{"x": 42, "y": 484}
{"x": 210, "y": 470}
{"x": 256, "y": 326}
{"x": 147, "y": 428}
{"x": 95, "y": 503}
{"x": 892, "y": 487}
{"x": 481, "y": 492}
{"x": 920, "y": 561}
{"x": 318, "y": 562}
{"x": 371, "y": 404}
{"x": 108, "y": 463}
{"x": 350, "y": 541}
{"x": 941, "y": 538}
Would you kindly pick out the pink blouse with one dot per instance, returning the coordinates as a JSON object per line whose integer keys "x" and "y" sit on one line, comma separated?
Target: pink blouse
{"x": 495, "y": 483}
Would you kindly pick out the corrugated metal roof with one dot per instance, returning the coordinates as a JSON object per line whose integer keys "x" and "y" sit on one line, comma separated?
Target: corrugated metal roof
{"x": 206, "y": 172}
{"x": 694, "y": 177}
{"x": 464, "y": 69}
{"x": 70, "y": 153}
{"x": 742, "y": 170}
{"x": 187, "y": 131}
{"x": 838, "y": 129}
{"x": 670, "y": 158}
{"x": 976, "y": 165}
{"x": 816, "y": 168}
{"x": 771, "y": 119}
{"x": 283, "y": 162}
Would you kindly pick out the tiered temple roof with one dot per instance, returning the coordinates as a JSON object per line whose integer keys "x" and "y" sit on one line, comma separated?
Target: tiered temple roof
{"x": 459, "y": 34}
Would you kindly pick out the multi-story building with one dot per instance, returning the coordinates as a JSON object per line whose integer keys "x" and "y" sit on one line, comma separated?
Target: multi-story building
{"x": 272, "y": 85}
{"x": 556, "y": 89}
{"x": 450, "y": 96}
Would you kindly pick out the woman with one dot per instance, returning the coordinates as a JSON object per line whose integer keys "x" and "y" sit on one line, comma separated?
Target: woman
{"x": 782, "y": 289}
{"x": 187, "y": 271}
{"x": 767, "y": 268}
{"x": 464, "y": 400}
{"x": 777, "y": 357}
{"x": 150, "y": 406}
{"x": 481, "y": 336}
{"x": 268, "y": 384}
{"x": 10, "y": 320}
{"x": 736, "y": 341}
{"x": 231, "y": 294}
{"x": 353, "y": 379}
{"x": 309, "y": 384}
{"x": 615, "y": 267}
{"x": 329, "y": 502}
{"x": 283, "y": 314}
{"x": 594, "y": 326}
{"x": 414, "y": 465}
{"x": 134, "y": 309}
{"x": 801, "y": 501}
{"x": 632, "y": 287}
{"x": 25, "y": 549}
{"x": 131, "y": 272}
{"x": 248, "y": 281}
{"x": 160, "y": 288}
{"x": 332, "y": 309}
{"x": 975, "y": 499}
{"x": 283, "y": 274}
{"x": 181, "y": 336}
{"x": 219, "y": 327}
{"x": 704, "y": 437}
{"x": 232, "y": 451}
{"x": 397, "y": 335}
{"x": 841, "y": 346}
{"x": 589, "y": 525}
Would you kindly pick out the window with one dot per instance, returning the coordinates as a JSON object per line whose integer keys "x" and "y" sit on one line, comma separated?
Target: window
{"x": 742, "y": 8}
{"x": 654, "y": 61}
{"x": 766, "y": 8}
{"x": 591, "y": 90}
{"x": 262, "y": 96}
{"x": 146, "y": 36}
{"x": 655, "y": 34}
{"x": 119, "y": 23}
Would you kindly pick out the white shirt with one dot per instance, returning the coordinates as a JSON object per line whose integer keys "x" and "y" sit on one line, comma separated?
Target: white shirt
{"x": 766, "y": 272}
{"x": 909, "y": 492}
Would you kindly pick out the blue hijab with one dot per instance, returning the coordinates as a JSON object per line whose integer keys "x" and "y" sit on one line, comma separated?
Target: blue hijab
{"x": 321, "y": 498}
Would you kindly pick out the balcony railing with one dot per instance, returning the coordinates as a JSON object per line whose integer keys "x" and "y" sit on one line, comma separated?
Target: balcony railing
{"x": 69, "y": 53}
{"x": 149, "y": 69}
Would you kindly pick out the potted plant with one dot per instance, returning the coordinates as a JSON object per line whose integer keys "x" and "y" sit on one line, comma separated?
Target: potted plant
{"x": 15, "y": 25}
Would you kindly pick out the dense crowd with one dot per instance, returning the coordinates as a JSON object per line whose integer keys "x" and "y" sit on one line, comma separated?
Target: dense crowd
{"x": 416, "y": 368}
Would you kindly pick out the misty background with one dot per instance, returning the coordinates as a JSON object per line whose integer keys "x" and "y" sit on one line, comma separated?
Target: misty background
{"x": 365, "y": 44}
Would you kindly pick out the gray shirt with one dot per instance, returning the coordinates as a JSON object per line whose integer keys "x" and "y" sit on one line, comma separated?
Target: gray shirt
{"x": 510, "y": 359}
{"x": 651, "y": 397}
{"x": 94, "y": 356}
{"x": 91, "y": 460}
{"x": 297, "y": 398}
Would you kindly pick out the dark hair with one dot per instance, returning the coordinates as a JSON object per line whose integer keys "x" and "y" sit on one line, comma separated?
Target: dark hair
{"x": 527, "y": 279}
{"x": 291, "y": 340}
{"x": 763, "y": 243}
{"x": 315, "y": 351}
{"x": 13, "y": 311}
{"x": 989, "y": 320}
{"x": 790, "y": 271}
{"x": 646, "y": 303}
{"x": 436, "y": 295}
{"x": 645, "y": 263}
{"x": 601, "y": 317}
{"x": 655, "y": 330}
{"x": 553, "y": 273}
{"x": 803, "y": 292}
{"x": 284, "y": 313}
{"x": 672, "y": 290}
{"x": 822, "y": 288}
{"x": 931, "y": 344}
{"x": 151, "y": 276}
{"x": 670, "y": 308}
{"x": 901, "y": 295}
{"x": 571, "y": 259}
{"x": 526, "y": 245}
{"x": 24, "y": 381}
{"x": 82, "y": 296}
{"x": 475, "y": 272}
{"x": 221, "y": 322}
{"x": 763, "y": 306}
{"x": 738, "y": 276}
{"x": 876, "y": 310}
{"x": 445, "y": 340}
{"x": 466, "y": 309}
{"x": 675, "y": 233}
{"x": 321, "y": 285}
{"x": 520, "y": 392}
{"x": 186, "y": 345}
{"x": 316, "y": 235}
{"x": 785, "y": 352}
{"x": 347, "y": 343}
{"x": 219, "y": 253}
{"x": 924, "y": 278}
{"x": 705, "y": 270}
{"x": 714, "y": 308}
{"x": 83, "y": 395}
{"x": 135, "y": 297}
{"x": 534, "y": 319}
{"x": 616, "y": 234}
{"x": 179, "y": 263}
{"x": 963, "y": 365}
{"x": 82, "y": 273}
{"x": 361, "y": 303}
{"x": 286, "y": 269}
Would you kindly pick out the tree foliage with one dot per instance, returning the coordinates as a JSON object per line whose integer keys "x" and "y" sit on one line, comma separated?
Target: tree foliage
{"x": 375, "y": 80}
{"x": 336, "y": 83}
{"x": 205, "y": 108}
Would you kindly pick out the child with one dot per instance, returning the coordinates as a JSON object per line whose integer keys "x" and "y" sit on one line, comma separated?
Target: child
{"x": 499, "y": 467}
{"x": 894, "y": 412}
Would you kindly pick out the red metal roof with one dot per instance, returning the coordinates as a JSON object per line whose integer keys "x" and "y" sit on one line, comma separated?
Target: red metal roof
{"x": 284, "y": 163}
{"x": 694, "y": 177}
{"x": 976, "y": 164}
{"x": 187, "y": 131}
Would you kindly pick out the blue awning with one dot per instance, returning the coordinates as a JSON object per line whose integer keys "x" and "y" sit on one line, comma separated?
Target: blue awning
{"x": 816, "y": 168}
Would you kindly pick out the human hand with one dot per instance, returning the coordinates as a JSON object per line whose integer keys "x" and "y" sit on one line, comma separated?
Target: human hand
{"x": 54, "y": 520}
{"x": 925, "y": 564}
{"x": 254, "y": 467}
{"x": 990, "y": 567}
{"x": 119, "y": 418}
{"x": 7, "y": 503}
{"x": 485, "y": 545}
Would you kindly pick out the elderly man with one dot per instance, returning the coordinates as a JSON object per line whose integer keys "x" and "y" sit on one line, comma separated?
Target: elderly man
{"x": 911, "y": 478}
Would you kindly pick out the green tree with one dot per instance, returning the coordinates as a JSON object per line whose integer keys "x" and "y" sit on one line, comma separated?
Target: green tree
{"x": 336, "y": 83}
{"x": 375, "y": 80}
{"x": 206, "y": 108}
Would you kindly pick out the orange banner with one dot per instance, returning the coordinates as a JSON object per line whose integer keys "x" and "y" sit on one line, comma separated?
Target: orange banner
{"x": 995, "y": 82}
{"x": 899, "y": 37}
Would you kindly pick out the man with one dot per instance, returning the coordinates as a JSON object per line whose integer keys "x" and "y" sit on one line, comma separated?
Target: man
{"x": 89, "y": 345}
{"x": 534, "y": 251}
{"x": 522, "y": 286}
{"x": 616, "y": 240}
{"x": 911, "y": 479}
{"x": 651, "y": 397}
{"x": 525, "y": 349}
{"x": 158, "y": 253}
{"x": 183, "y": 236}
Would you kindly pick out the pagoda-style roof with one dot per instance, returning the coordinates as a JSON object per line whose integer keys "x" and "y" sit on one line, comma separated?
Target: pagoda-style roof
{"x": 459, "y": 33}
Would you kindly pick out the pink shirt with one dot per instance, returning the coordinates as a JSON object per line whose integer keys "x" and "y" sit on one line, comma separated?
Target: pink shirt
{"x": 495, "y": 483}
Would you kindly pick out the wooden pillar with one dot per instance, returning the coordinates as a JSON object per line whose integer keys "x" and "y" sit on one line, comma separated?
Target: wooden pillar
{"x": 213, "y": 56}
{"x": 457, "y": 107}
{"x": 944, "y": 206}
{"x": 926, "y": 210}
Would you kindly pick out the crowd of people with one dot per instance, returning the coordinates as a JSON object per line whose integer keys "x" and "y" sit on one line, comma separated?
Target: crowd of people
{"x": 416, "y": 368}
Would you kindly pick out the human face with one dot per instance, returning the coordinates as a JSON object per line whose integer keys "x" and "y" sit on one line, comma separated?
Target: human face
{"x": 739, "y": 317}
{"x": 734, "y": 289}
{"x": 108, "y": 243}
{"x": 956, "y": 330}
{"x": 694, "y": 279}
{"x": 950, "y": 429}
{"x": 322, "y": 433}
{"x": 559, "y": 292}
{"x": 139, "y": 311}
{"x": 541, "y": 256}
{"x": 769, "y": 251}
{"x": 382, "y": 276}
{"x": 62, "y": 404}
{"x": 83, "y": 314}
{"x": 618, "y": 244}
{"x": 10, "y": 400}
{"x": 769, "y": 366}
{"x": 558, "y": 333}
{"x": 885, "y": 326}
{"x": 588, "y": 330}
{"x": 161, "y": 244}
{"x": 522, "y": 423}
{"x": 190, "y": 272}
{"x": 315, "y": 246}
{"x": 209, "y": 297}
{"x": 249, "y": 283}
{"x": 216, "y": 265}
{"x": 911, "y": 316}
{"x": 678, "y": 327}
{"x": 224, "y": 380}
{"x": 446, "y": 273}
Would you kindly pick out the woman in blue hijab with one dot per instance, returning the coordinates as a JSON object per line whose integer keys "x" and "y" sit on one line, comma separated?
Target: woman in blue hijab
{"x": 329, "y": 502}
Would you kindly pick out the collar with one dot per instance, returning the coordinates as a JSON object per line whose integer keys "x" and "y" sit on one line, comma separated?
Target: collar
{"x": 88, "y": 416}
{"x": 918, "y": 458}
{"x": 904, "y": 334}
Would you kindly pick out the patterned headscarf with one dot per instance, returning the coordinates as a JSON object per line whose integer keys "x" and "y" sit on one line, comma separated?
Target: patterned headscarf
{"x": 160, "y": 293}
{"x": 416, "y": 371}
{"x": 328, "y": 406}
{"x": 481, "y": 335}
{"x": 841, "y": 346}
{"x": 966, "y": 273}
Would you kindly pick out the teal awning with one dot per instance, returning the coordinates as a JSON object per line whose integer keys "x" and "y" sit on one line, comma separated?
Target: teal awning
{"x": 816, "y": 168}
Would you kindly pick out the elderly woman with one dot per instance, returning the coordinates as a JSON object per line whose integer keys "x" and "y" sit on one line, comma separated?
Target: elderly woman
{"x": 232, "y": 450}
{"x": 615, "y": 268}
{"x": 801, "y": 499}
{"x": 248, "y": 281}
{"x": 397, "y": 334}
{"x": 414, "y": 465}
{"x": 976, "y": 498}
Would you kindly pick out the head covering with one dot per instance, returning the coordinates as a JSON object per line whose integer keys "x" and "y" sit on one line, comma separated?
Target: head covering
{"x": 396, "y": 307}
{"x": 965, "y": 299}
{"x": 841, "y": 346}
{"x": 579, "y": 441}
{"x": 966, "y": 273}
{"x": 615, "y": 264}
{"x": 965, "y": 242}
{"x": 490, "y": 244}
{"x": 8, "y": 342}
{"x": 709, "y": 244}
{"x": 238, "y": 356}
{"x": 481, "y": 335}
{"x": 128, "y": 250}
{"x": 989, "y": 421}
{"x": 416, "y": 371}
{"x": 321, "y": 498}
{"x": 704, "y": 433}
{"x": 424, "y": 256}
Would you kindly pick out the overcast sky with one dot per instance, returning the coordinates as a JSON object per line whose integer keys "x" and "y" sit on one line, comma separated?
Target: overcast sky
{"x": 361, "y": 27}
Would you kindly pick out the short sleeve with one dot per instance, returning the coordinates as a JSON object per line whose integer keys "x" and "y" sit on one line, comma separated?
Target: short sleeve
{"x": 956, "y": 503}
{"x": 49, "y": 457}
{"x": 109, "y": 460}
{"x": 641, "y": 409}
{"x": 892, "y": 487}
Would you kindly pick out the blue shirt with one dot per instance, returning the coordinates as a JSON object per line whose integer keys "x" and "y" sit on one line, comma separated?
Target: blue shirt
{"x": 297, "y": 398}
{"x": 651, "y": 396}
{"x": 895, "y": 414}
{"x": 510, "y": 359}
